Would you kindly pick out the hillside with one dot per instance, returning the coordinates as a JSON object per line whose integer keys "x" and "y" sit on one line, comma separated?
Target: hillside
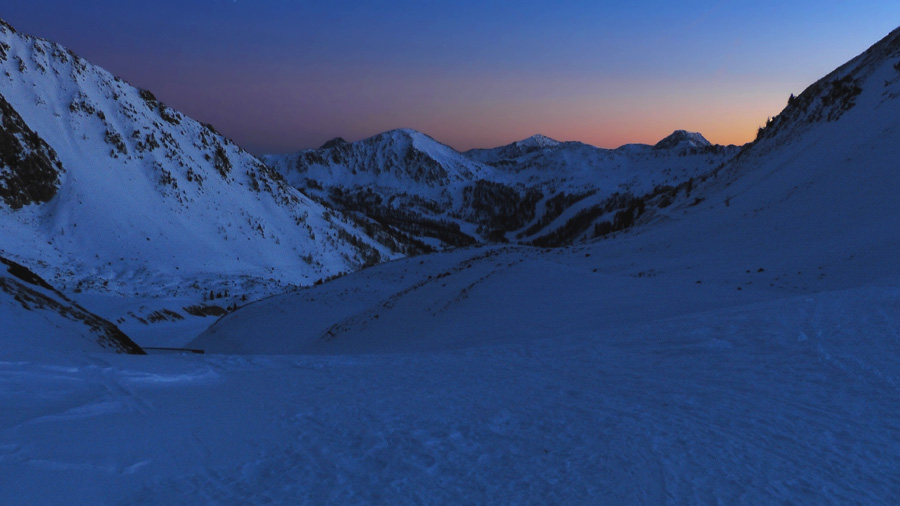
{"x": 106, "y": 189}
{"x": 38, "y": 320}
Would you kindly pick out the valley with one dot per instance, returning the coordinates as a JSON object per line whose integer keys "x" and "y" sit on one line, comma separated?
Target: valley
{"x": 391, "y": 321}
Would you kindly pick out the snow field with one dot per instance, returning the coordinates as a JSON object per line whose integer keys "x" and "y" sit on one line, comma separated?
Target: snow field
{"x": 783, "y": 401}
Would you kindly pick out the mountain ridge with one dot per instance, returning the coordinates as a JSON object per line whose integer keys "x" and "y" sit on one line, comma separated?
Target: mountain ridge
{"x": 407, "y": 180}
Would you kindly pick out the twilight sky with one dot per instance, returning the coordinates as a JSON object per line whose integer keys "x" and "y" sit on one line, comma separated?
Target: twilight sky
{"x": 282, "y": 75}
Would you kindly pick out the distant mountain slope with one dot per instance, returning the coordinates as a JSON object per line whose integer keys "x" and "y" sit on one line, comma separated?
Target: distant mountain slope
{"x": 399, "y": 159}
{"x": 684, "y": 141}
{"x": 527, "y": 191}
{"x": 534, "y": 144}
{"x": 401, "y": 178}
{"x": 103, "y": 187}
{"x": 37, "y": 319}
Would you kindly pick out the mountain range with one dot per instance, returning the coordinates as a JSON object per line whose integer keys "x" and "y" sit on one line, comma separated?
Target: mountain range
{"x": 675, "y": 323}
{"x": 108, "y": 192}
{"x": 808, "y": 206}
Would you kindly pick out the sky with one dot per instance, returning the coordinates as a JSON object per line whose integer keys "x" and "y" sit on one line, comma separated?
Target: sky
{"x": 282, "y": 75}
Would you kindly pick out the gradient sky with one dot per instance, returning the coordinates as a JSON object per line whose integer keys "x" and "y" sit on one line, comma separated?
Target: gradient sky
{"x": 282, "y": 75}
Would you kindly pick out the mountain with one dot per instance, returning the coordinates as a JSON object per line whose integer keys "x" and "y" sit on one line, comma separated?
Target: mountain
{"x": 402, "y": 179}
{"x": 738, "y": 347}
{"x": 527, "y": 191}
{"x": 533, "y": 144}
{"x": 747, "y": 328}
{"x": 869, "y": 81}
{"x": 819, "y": 183}
{"x": 683, "y": 140}
{"x": 398, "y": 159}
{"x": 105, "y": 189}
{"x": 38, "y": 319}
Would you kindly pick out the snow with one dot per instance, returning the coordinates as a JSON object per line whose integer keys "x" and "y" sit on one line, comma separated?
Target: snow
{"x": 738, "y": 347}
{"x": 729, "y": 406}
{"x": 411, "y": 173}
{"x": 538, "y": 141}
{"x": 39, "y": 321}
{"x": 682, "y": 139}
{"x": 151, "y": 202}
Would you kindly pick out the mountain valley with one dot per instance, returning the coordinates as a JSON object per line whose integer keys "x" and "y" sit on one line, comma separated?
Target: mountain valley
{"x": 392, "y": 321}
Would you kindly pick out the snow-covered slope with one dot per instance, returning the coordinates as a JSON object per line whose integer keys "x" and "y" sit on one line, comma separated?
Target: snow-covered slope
{"x": 810, "y": 207}
{"x": 534, "y": 144}
{"x": 123, "y": 194}
{"x": 530, "y": 190}
{"x": 791, "y": 401}
{"x": 817, "y": 191}
{"x": 740, "y": 347}
{"x": 39, "y": 320}
{"x": 575, "y": 166}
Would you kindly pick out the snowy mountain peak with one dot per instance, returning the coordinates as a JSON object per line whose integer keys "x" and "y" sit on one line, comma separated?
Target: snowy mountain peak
{"x": 534, "y": 146}
{"x": 538, "y": 141}
{"x": 402, "y": 135}
{"x": 402, "y": 132}
{"x": 400, "y": 159}
{"x": 683, "y": 139}
{"x": 407, "y": 137}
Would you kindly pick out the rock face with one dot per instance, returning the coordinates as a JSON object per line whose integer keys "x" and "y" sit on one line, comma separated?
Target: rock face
{"x": 29, "y": 169}
{"x": 537, "y": 190}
